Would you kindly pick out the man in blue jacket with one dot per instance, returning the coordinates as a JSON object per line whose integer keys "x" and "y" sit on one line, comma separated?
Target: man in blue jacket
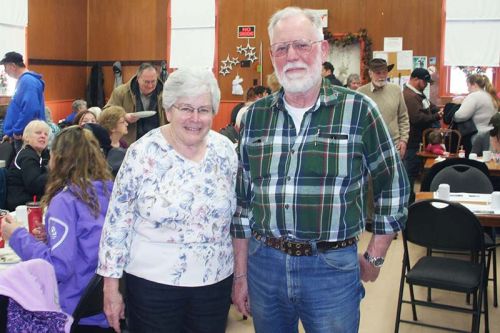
{"x": 28, "y": 101}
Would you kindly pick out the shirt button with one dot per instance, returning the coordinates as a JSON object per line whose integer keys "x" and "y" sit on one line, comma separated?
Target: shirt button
{"x": 292, "y": 151}
{"x": 287, "y": 206}
{"x": 288, "y": 178}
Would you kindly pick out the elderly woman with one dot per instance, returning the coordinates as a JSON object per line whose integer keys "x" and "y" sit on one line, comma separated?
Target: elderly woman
{"x": 167, "y": 227}
{"x": 27, "y": 176}
{"x": 113, "y": 120}
{"x": 353, "y": 82}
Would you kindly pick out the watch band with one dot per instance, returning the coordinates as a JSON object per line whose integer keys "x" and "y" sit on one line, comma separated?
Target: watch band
{"x": 375, "y": 261}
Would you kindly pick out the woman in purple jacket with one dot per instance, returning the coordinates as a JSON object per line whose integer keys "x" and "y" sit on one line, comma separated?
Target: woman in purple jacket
{"x": 76, "y": 198}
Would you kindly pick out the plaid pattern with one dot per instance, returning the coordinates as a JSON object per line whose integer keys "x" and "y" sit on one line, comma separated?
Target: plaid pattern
{"x": 311, "y": 185}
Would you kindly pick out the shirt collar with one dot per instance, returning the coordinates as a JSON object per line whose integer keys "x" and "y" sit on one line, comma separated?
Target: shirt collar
{"x": 412, "y": 88}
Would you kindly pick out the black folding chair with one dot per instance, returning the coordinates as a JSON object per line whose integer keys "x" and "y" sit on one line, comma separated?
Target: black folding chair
{"x": 438, "y": 224}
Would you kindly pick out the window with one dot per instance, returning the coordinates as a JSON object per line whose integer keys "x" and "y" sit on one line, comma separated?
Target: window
{"x": 458, "y": 76}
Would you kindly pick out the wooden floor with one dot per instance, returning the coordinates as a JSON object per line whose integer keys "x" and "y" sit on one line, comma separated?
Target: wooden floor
{"x": 378, "y": 308}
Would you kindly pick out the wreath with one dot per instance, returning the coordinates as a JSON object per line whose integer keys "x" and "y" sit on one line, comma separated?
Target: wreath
{"x": 469, "y": 70}
{"x": 353, "y": 38}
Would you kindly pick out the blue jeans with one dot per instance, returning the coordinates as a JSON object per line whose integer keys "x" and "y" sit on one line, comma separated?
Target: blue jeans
{"x": 154, "y": 307}
{"x": 324, "y": 291}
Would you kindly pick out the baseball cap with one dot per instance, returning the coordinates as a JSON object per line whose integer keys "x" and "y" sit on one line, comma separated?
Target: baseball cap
{"x": 422, "y": 74}
{"x": 13, "y": 57}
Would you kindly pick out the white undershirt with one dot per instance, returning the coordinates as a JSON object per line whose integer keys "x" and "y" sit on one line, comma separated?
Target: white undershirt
{"x": 297, "y": 114}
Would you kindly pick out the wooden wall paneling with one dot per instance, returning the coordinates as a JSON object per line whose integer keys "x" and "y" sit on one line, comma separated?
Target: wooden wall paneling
{"x": 63, "y": 82}
{"x": 59, "y": 109}
{"x": 57, "y": 29}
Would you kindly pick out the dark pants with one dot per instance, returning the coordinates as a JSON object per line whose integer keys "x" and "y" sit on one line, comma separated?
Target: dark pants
{"x": 413, "y": 166}
{"x": 154, "y": 308}
{"x": 92, "y": 329}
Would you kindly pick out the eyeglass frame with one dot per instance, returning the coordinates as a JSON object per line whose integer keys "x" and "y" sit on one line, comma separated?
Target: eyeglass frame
{"x": 310, "y": 43}
{"x": 192, "y": 109}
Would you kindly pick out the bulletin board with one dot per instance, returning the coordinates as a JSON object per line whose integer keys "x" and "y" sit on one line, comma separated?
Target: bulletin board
{"x": 392, "y": 58}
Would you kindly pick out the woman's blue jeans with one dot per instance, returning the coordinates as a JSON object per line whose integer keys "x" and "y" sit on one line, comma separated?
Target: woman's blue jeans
{"x": 324, "y": 291}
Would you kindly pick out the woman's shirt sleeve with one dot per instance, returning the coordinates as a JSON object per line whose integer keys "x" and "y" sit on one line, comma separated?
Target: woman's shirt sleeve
{"x": 117, "y": 232}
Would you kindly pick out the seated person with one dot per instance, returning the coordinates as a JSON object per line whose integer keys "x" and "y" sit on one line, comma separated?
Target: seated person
{"x": 113, "y": 120}
{"x": 488, "y": 140}
{"x": 114, "y": 156}
{"x": 435, "y": 145}
{"x": 77, "y": 106}
{"x": 76, "y": 199}
{"x": 85, "y": 117}
{"x": 27, "y": 175}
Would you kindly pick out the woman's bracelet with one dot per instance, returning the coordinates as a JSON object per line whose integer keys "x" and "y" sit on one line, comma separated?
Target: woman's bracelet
{"x": 239, "y": 276}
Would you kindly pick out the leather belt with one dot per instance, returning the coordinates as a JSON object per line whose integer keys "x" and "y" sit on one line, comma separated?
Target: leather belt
{"x": 297, "y": 248}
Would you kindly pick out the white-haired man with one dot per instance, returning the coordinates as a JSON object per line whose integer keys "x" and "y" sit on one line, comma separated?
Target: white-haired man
{"x": 305, "y": 156}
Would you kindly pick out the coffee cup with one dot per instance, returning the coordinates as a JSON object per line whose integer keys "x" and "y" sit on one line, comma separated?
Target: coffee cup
{"x": 443, "y": 192}
{"x": 486, "y": 155}
{"x": 22, "y": 215}
{"x": 495, "y": 200}
{"x": 472, "y": 156}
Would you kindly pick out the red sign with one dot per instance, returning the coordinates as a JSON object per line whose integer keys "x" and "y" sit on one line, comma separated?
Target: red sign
{"x": 246, "y": 31}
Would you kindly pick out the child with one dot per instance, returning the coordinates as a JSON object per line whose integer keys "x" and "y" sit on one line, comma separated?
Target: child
{"x": 435, "y": 145}
{"x": 76, "y": 197}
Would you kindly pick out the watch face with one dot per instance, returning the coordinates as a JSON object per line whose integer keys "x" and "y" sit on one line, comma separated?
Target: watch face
{"x": 377, "y": 262}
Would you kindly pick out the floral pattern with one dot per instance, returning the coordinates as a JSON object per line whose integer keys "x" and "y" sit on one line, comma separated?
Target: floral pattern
{"x": 169, "y": 217}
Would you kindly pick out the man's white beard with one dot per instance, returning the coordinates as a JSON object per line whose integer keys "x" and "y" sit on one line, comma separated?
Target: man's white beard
{"x": 303, "y": 82}
{"x": 380, "y": 84}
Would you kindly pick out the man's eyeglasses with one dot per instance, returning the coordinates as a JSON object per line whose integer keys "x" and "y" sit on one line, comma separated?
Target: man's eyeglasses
{"x": 301, "y": 46}
{"x": 188, "y": 110}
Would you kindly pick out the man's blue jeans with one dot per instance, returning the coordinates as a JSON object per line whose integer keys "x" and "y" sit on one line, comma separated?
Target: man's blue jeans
{"x": 323, "y": 291}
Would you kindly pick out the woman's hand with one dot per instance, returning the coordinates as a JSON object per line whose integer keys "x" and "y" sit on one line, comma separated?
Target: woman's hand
{"x": 40, "y": 234}
{"x": 9, "y": 224}
{"x": 114, "y": 308}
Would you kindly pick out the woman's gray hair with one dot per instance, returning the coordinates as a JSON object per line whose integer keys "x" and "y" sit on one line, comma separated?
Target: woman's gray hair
{"x": 186, "y": 82}
{"x": 351, "y": 78}
{"x": 310, "y": 14}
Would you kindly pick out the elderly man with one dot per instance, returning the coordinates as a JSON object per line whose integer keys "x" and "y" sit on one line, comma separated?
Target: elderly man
{"x": 27, "y": 103}
{"x": 390, "y": 102}
{"x": 305, "y": 155}
{"x": 141, "y": 93}
{"x": 423, "y": 114}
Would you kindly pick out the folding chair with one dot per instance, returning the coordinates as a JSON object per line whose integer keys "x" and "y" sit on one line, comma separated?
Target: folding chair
{"x": 438, "y": 224}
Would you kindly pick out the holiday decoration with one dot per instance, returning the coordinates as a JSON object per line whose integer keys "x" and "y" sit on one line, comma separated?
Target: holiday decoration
{"x": 248, "y": 52}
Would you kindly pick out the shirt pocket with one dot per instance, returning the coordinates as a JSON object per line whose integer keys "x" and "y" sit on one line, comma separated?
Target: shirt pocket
{"x": 260, "y": 156}
{"x": 330, "y": 155}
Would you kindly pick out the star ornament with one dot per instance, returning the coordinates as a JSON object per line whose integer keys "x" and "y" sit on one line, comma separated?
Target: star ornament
{"x": 239, "y": 49}
{"x": 252, "y": 57}
{"x": 226, "y": 62}
{"x": 234, "y": 61}
{"x": 248, "y": 49}
{"x": 224, "y": 70}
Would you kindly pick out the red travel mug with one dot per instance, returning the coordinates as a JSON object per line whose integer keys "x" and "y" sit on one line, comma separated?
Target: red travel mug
{"x": 2, "y": 216}
{"x": 34, "y": 215}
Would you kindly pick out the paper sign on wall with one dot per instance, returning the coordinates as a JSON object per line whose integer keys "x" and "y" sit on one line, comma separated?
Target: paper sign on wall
{"x": 393, "y": 44}
{"x": 246, "y": 31}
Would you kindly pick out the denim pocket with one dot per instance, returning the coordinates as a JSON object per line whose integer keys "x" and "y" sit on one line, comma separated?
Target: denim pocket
{"x": 253, "y": 246}
{"x": 345, "y": 259}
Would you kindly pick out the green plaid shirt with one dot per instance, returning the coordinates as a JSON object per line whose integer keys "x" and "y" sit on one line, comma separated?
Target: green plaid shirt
{"x": 311, "y": 184}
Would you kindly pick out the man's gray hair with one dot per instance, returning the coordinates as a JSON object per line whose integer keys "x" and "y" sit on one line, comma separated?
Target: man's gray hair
{"x": 187, "y": 82}
{"x": 77, "y": 104}
{"x": 144, "y": 66}
{"x": 311, "y": 15}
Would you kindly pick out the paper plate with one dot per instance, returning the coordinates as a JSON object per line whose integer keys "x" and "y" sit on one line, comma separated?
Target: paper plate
{"x": 144, "y": 114}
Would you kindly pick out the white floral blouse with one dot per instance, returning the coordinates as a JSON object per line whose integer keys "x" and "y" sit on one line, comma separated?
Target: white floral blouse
{"x": 169, "y": 217}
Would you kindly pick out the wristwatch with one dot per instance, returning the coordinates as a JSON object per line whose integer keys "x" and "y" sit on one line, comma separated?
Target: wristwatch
{"x": 375, "y": 261}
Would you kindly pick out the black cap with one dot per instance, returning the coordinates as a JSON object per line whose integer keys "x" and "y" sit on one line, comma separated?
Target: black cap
{"x": 13, "y": 57}
{"x": 422, "y": 74}
{"x": 495, "y": 120}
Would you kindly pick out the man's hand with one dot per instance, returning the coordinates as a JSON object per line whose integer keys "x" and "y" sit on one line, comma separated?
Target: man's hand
{"x": 114, "y": 308}
{"x": 240, "y": 296}
{"x": 401, "y": 147}
{"x": 6, "y": 138}
{"x": 131, "y": 118}
{"x": 369, "y": 273}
